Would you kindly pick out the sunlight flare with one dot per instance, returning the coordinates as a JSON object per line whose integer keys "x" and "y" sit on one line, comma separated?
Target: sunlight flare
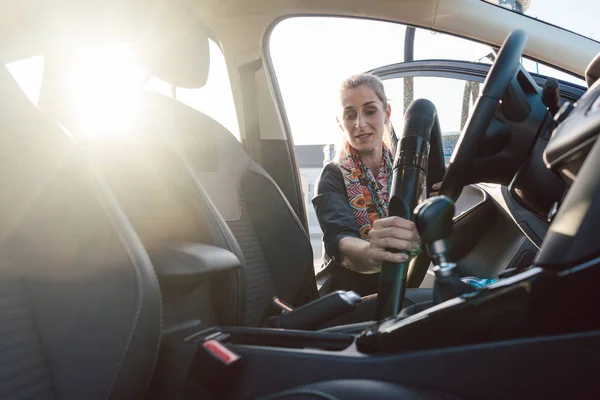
{"x": 104, "y": 86}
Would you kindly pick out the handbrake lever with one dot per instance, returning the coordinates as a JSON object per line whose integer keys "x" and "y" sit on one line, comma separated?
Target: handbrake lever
{"x": 314, "y": 314}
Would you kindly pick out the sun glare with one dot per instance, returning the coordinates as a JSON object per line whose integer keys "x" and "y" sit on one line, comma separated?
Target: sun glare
{"x": 28, "y": 74}
{"x": 104, "y": 86}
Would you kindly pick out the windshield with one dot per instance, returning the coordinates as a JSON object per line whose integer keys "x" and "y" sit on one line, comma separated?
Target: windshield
{"x": 580, "y": 17}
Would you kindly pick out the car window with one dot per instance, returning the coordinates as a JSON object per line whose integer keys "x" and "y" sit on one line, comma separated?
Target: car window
{"x": 542, "y": 69}
{"x": 28, "y": 73}
{"x": 431, "y": 45}
{"x": 214, "y": 99}
{"x": 580, "y": 17}
{"x": 436, "y": 45}
{"x": 312, "y": 55}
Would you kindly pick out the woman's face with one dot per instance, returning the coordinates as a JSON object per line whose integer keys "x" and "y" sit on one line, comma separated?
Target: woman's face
{"x": 363, "y": 118}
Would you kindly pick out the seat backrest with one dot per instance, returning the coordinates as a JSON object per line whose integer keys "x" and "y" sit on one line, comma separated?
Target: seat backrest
{"x": 166, "y": 208}
{"x": 148, "y": 179}
{"x": 80, "y": 306}
{"x": 276, "y": 248}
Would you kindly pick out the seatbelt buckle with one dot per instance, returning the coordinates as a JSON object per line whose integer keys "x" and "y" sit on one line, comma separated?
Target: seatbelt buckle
{"x": 274, "y": 314}
{"x": 281, "y": 305}
{"x": 221, "y": 353}
{"x": 312, "y": 315}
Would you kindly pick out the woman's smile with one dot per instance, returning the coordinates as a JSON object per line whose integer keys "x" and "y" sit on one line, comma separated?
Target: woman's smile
{"x": 364, "y": 137}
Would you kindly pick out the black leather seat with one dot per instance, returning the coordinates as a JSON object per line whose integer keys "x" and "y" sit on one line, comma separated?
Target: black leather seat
{"x": 80, "y": 305}
{"x": 156, "y": 191}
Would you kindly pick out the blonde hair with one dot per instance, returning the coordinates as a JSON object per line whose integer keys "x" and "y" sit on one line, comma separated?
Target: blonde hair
{"x": 376, "y": 85}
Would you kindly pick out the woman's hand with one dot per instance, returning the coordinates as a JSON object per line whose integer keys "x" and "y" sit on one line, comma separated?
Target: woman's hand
{"x": 387, "y": 233}
{"x": 436, "y": 187}
{"x": 392, "y": 233}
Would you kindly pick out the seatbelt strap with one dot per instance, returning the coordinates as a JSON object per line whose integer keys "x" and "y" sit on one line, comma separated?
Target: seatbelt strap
{"x": 251, "y": 140}
{"x": 253, "y": 146}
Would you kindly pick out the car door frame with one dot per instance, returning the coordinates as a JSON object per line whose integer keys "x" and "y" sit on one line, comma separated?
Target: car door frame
{"x": 465, "y": 70}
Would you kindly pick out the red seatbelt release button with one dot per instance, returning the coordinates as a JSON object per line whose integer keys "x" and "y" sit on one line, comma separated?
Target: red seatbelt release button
{"x": 282, "y": 305}
{"x": 219, "y": 351}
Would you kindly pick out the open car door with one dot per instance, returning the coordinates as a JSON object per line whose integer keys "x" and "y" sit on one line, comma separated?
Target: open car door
{"x": 492, "y": 232}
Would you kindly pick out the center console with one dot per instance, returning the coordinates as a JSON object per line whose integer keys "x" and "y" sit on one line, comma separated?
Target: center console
{"x": 512, "y": 333}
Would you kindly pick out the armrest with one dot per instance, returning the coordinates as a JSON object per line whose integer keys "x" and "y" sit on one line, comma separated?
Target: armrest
{"x": 317, "y": 312}
{"x": 190, "y": 263}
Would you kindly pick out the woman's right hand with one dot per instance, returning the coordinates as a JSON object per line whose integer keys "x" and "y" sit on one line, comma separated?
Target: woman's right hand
{"x": 436, "y": 189}
{"x": 392, "y": 233}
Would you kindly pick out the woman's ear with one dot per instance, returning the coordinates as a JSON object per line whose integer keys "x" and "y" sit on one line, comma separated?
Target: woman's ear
{"x": 388, "y": 113}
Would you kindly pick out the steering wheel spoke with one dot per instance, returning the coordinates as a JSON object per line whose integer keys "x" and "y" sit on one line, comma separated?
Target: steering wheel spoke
{"x": 498, "y": 82}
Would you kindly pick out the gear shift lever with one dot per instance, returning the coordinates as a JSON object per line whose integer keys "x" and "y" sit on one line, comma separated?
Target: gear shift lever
{"x": 434, "y": 222}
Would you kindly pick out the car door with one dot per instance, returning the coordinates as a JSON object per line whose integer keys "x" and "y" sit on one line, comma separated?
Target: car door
{"x": 492, "y": 232}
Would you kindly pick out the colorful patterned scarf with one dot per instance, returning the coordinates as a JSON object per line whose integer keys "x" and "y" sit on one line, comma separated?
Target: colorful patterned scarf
{"x": 368, "y": 195}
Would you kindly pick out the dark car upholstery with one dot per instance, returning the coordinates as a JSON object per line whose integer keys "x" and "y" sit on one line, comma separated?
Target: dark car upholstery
{"x": 80, "y": 306}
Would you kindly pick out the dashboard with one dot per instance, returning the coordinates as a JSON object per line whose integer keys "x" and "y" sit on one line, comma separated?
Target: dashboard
{"x": 576, "y": 133}
{"x": 573, "y": 153}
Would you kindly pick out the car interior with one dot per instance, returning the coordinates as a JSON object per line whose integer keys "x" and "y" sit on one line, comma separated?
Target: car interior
{"x": 174, "y": 261}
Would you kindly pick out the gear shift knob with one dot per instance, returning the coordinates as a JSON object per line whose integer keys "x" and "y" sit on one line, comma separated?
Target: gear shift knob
{"x": 433, "y": 218}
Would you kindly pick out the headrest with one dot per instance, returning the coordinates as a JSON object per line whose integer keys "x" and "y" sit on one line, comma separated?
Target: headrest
{"x": 167, "y": 35}
{"x": 173, "y": 45}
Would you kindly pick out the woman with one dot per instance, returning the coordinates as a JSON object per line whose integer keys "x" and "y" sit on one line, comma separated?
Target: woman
{"x": 352, "y": 193}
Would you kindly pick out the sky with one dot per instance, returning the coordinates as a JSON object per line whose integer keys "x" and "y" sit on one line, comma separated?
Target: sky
{"x": 312, "y": 56}
{"x": 330, "y": 49}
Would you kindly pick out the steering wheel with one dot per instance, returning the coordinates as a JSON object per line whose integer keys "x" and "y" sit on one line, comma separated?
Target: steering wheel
{"x": 500, "y": 76}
